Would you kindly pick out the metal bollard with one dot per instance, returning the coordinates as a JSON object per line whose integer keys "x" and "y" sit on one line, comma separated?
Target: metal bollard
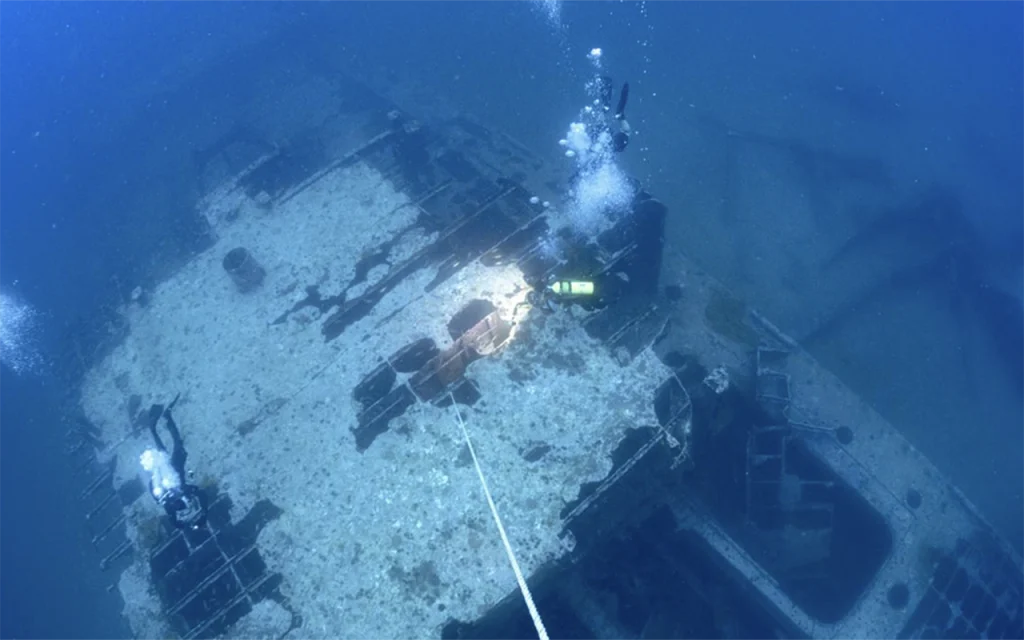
{"x": 246, "y": 273}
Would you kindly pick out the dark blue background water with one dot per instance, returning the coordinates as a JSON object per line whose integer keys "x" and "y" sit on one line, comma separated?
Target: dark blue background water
{"x": 80, "y": 85}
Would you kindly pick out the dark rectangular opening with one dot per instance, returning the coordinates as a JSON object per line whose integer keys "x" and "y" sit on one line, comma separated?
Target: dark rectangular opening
{"x": 824, "y": 576}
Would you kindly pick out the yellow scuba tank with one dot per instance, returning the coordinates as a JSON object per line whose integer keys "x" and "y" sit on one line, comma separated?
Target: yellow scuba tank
{"x": 557, "y": 291}
{"x": 571, "y": 288}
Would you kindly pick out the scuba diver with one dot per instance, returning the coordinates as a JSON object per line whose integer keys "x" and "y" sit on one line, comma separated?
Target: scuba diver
{"x": 591, "y": 293}
{"x": 168, "y": 484}
{"x": 601, "y": 133}
{"x": 594, "y": 141}
{"x": 560, "y": 291}
{"x": 410, "y": 148}
{"x": 620, "y": 138}
{"x": 546, "y": 296}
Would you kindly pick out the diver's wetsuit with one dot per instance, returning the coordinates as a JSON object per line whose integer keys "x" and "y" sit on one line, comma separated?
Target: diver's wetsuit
{"x": 184, "y": 504}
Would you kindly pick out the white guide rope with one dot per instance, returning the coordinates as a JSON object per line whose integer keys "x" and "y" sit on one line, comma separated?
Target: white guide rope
{"x": 527, "y": 596}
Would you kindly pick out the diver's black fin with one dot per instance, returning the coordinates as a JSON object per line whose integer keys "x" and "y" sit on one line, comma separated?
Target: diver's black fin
{"x": 155, "y": 413}
{"x": 620, "y": 110}
{"x": 605, "y": 89}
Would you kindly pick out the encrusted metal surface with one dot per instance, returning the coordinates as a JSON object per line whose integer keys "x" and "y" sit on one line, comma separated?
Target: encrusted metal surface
{"x": 317, "y": 407}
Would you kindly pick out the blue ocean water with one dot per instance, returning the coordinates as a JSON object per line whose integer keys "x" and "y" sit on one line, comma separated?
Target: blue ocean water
{"x": 92, "y": 113}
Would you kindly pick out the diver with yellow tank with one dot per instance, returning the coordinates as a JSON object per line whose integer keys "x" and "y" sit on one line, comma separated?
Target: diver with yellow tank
{"x": 560, "y": 291}
{"x": 556, "y": 292}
